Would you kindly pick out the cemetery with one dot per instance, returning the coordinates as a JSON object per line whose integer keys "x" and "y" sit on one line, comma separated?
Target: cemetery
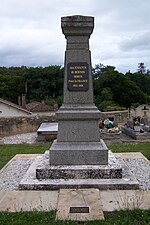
{"x": 79, "y": 176}
{"x": 138, "y": 127}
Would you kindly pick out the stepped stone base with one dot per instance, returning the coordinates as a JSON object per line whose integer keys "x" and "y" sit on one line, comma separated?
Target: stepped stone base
{"x": 111, "y": 171}
{"x": 101, "y": 177}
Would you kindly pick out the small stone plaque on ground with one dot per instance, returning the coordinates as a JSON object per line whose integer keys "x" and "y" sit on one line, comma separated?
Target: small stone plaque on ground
{"x": 79, "y": 205}
{"x": 79, "y": 209}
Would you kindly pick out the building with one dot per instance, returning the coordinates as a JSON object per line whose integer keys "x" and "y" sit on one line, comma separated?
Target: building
{"x": 9, "y": 109}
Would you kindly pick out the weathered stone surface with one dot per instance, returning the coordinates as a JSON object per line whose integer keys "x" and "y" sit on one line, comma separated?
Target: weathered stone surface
{"x": 78, "y": 131}
{"x": 78, "y": 141}
{"x": 111, "y": 171}
{"x": 16, "y": 201}
{"x": 30, "y": 182}
{"x": 78, "y": 172}
{"x": 77, "y": 30}
{"x": 20, "y": 125}
{"x": 78, "y": 153}
{"x": 86, "y": 198}
{"x": 135, "y": 135}
{"x": 113, "y": 200}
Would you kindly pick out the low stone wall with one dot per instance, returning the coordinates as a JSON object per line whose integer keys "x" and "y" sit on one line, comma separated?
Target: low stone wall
{"x": 19, "y": 125}
{"x": 15, "y": 125}
{"x": 119, "y": 116}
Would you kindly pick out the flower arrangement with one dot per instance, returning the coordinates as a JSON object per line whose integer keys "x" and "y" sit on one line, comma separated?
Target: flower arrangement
{"x": 136, "y": 121}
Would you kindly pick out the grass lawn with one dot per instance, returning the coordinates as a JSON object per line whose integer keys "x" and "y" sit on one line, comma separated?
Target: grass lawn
{"x": 9, "y": 151}
{"x": 135, "y": 217}
{"x": 144, "y": 148}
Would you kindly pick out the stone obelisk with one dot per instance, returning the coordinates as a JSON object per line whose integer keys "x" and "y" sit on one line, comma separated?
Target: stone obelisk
{"x": 78, "y": 141}
{"x": 78, "y": 158}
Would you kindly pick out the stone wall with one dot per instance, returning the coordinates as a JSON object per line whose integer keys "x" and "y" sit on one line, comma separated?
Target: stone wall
{"x": 119, "y": 116}
{"x": 19, "y": 125}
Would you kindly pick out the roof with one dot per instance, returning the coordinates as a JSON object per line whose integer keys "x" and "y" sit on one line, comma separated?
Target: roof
{"x": 14, "y": 106}
{"x": 39, "y": 107}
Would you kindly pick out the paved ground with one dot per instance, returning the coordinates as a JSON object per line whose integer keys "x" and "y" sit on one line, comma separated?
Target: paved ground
{"x": 29, "y": 138}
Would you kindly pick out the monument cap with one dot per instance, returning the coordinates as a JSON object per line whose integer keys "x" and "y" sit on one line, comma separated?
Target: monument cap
{"x": 77, "y": 25}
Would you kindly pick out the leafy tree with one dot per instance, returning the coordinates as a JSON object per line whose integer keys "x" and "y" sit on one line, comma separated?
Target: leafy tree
{"x": 141, "y": 68}
{"x": 42, "y": 82}
{"x": 124, "y": 92}
{"x": 141, "y": 80}
{"x": 112, "y": 89}
{"x": 11, "y": 86}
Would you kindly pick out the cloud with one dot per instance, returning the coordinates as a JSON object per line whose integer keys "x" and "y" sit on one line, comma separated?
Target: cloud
{"x": 30, "y": 31}
{"x": 137, "y": 42}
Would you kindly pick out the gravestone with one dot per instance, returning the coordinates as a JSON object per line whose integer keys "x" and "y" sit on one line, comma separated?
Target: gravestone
{"x": 78, "y": 141}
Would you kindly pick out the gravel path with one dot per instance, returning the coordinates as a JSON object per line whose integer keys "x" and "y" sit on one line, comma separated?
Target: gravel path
{"x": 141, "y": 170}
{"x": 29, "y": 138}
{"x": 10, "y": 177}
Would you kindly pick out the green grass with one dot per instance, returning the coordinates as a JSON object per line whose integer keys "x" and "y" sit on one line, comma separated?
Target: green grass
{"x": 143, "y": 148}
{"x": 135, "y": 217}
{"x": 9, "y": 151}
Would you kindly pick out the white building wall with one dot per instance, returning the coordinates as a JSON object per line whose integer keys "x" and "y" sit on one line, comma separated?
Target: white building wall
{"x": 9, "y": 111}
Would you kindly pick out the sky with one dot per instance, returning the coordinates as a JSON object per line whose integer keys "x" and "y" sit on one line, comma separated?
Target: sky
{"x": 31, "y": 35}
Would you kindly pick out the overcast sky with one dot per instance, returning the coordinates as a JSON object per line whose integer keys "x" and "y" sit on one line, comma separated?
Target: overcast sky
{"x": 30, "y": 32}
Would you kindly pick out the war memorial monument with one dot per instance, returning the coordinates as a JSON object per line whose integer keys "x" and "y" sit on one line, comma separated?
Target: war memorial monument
{"x": 78, "y": 158}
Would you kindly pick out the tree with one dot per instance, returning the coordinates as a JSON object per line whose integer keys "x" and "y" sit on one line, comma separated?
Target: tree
{"x": 124, "y": 91}
{"x": 11, "y": 86}
{"x": 141, "y": 68}
{"x": 141, "y": 80}
{"x": 40, "y": 82}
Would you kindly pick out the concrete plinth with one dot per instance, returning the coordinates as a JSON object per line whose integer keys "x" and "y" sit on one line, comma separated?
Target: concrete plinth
{"x": 111, "y": 171}
{"x": 78, "y": 153}
{"x": 101, "y": 177}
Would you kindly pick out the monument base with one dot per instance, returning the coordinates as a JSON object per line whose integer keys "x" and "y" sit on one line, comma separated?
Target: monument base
{"x": 78, "y": 153}
{"x": 115, "y": 176}
{"x": 111, "y": 171}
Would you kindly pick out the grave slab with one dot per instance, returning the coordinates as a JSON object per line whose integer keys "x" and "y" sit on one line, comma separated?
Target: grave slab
{"x": 2, "y": 195}
{"x": 16, "y": 201}
{"x": 79, "y": 205}
{"x": 131, "y": 155}
{"x": 47, "y": 131}
{"x": 113, "y": 200}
